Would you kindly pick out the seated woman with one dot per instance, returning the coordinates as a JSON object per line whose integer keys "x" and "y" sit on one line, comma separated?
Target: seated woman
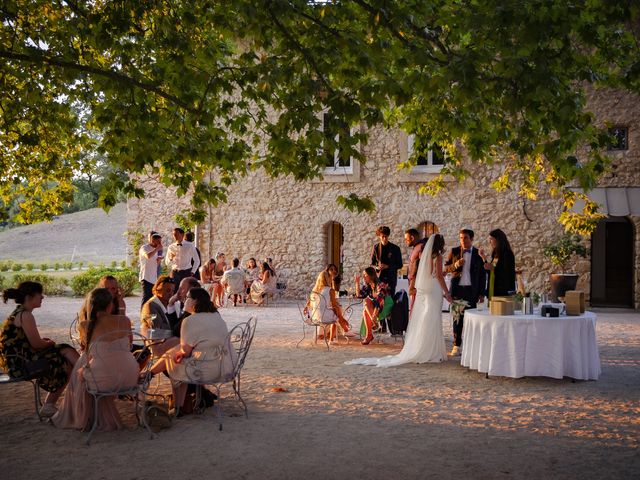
{"x": 264, "y": 286}
{"x": 106, "y": 364}
{"x": 204, "y": 349}
{"x": 211, "y": 280}
{"x": 323, "y": 305}
{"x": 337, "y": 308}
{"x": 374, "y": 293}
{"x": 252, "y": 273}
{"x": 21, "y": 342}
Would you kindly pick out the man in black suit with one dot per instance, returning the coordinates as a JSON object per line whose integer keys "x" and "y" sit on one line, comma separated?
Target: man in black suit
{"x": 468, "y": 280}
{"x": 386, "y": 258}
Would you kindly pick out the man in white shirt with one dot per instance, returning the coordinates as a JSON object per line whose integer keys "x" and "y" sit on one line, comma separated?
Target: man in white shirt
{"x": 182, "y": 257}
{"x": 233, "y": 281}
{"x": 149, "y": 258}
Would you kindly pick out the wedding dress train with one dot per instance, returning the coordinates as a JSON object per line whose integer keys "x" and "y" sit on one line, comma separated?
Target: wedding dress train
{"x": 424, "y": 341}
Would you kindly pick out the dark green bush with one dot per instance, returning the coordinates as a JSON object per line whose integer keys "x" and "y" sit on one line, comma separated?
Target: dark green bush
{"x": 16, "y": 267}
{"x": 29, "y": 266}
{"x": 52, "y": 285}
{"x": 5, "y": 266}
{"x": 84, "y": 282}
{"x": 44, "y": 267}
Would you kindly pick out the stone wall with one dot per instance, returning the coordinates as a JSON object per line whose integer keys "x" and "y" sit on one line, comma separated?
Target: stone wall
{"x": 287, "y": 220}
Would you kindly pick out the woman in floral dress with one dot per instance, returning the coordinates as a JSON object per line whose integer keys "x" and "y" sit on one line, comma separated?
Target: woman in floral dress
{"x": 21, "y": 345}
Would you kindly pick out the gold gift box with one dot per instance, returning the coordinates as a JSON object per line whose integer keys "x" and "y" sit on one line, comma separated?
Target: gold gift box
{"x": 502, "y": 306}
{"x": 574, "y": 302}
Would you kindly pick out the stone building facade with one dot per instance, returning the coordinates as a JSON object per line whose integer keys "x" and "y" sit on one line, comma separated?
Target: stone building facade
{"x": 302, "y": 228}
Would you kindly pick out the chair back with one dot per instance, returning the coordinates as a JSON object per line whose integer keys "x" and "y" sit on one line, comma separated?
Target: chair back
{"x": 106, "y": 374}
{"x": 74, "y": 333}
{"x": 240, "y": 338}
{"x": 321, "y": 311}
{"x": 101, "y": 375}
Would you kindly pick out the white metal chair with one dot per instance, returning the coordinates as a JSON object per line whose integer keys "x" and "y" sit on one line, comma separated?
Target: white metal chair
{"x": 6, "y": 379}
{"x": 281, "y": 286}
{"x": 239, "y": 339}
{"x": 317, "y": 314}
{"x": 234, "y": 285}
{"x": 74, "y": 333}
{"x": 118, "y": 385}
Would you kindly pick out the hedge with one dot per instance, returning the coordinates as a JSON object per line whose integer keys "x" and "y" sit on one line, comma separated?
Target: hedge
{"x": 52, "y": 285}
{"x": 86, "y": 281}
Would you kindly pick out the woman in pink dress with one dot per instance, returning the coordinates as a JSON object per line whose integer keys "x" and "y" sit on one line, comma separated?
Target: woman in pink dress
{"x": 106, "y": 364}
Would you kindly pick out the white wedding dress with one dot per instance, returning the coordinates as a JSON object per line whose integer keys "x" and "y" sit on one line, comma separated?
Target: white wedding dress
{"x": 424, "y": 341}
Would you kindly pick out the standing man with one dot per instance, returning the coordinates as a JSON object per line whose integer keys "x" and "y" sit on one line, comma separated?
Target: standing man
{"x": 190, "y": 237}
{"x": 386, "y": 258}
{"x": 149, "y": 258}
{"x": 468, "y": 280}
{"x": 182, "y": 258}
{"x": 412, "y": 239}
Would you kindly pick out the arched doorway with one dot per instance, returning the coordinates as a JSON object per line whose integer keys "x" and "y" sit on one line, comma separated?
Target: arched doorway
{"x": 612, "y": 263}
{"x": 427, "y": 229}
{"x": 335, "y": 237}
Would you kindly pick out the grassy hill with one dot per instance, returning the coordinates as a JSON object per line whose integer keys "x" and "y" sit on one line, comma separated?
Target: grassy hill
{"x": 87, "y": 236}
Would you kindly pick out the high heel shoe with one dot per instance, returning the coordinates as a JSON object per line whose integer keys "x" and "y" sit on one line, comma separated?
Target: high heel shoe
{"x": 367, "y": 340}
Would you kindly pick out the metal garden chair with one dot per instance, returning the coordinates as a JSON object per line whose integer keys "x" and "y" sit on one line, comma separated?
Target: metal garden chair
{"x": 239, "y": 339}
{"x": 118, "y": 385}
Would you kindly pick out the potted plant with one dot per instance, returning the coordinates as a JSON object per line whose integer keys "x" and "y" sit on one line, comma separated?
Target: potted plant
{"x": 560, "y": 252}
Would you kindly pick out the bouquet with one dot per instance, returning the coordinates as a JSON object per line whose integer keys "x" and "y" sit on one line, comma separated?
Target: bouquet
{"x": 457, "y": 309}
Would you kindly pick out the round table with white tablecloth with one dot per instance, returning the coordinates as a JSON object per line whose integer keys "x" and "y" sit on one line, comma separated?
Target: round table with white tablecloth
{"x": 530, "y": 345}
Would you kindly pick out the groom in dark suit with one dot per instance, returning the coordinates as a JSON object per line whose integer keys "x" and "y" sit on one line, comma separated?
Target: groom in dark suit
{"x": 468, "y": 280}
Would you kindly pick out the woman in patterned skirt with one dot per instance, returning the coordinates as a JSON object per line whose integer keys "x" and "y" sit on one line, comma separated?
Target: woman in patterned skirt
{"x": 21, "y": 344}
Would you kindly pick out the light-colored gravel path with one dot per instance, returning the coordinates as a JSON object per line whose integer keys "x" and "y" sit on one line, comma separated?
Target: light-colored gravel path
{"x": 311, "y": 416}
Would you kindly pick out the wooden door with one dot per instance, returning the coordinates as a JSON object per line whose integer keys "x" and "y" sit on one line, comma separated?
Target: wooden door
{"x": 334, "y": 244}
{"x": 612, "y": 263}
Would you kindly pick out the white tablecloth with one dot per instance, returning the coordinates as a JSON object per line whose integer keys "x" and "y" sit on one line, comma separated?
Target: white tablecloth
{"x": 530, "y": 345}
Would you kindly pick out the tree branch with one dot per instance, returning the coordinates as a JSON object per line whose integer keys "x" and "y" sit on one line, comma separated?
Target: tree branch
{"x": 309, "y": 58}
{"x": 429, "y": 38}
{"x": 118, "y": 77}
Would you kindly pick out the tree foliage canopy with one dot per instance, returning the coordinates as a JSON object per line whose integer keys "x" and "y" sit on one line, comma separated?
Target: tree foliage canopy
{"x": 179, "y": 88}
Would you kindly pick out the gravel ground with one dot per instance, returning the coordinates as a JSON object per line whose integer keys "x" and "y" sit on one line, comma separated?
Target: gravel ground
{"x": 311, "y": 416}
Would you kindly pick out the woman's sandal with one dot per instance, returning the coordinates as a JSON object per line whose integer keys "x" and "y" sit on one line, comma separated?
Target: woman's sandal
{"x": 367, "y": 340}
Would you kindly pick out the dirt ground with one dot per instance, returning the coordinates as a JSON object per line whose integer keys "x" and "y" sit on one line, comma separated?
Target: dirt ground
{"x": 311, "y": 416}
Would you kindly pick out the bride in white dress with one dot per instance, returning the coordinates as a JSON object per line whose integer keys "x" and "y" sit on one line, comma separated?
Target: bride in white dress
{"x": 424, "y": 341}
